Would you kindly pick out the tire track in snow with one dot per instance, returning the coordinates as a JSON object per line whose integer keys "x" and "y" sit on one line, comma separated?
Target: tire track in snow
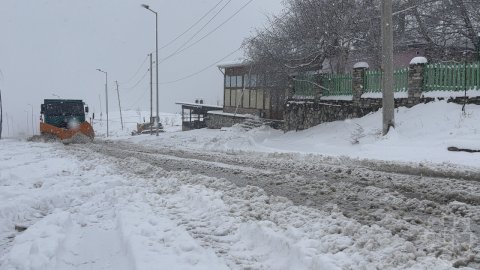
{"x": 414, "y": 208}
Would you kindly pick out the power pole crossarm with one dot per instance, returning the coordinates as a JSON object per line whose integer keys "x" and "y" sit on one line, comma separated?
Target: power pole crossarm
{"x": 119, "y": 106}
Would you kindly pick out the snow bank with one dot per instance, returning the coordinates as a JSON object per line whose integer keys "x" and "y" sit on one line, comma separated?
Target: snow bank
{"x": 422, "y": 135}
{"x": 155, "y": 242}
{"x": 38, "y": 247}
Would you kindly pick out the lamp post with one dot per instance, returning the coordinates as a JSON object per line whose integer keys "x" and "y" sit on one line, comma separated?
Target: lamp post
{"x": 106, "y": 93}
{"x": 156, "y": 58}
{"x": 33, "y": 129}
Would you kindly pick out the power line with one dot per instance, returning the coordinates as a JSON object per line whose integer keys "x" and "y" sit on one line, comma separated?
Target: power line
{"x": 200, "y": 71}
{"x": 138, "y": 82}
{"x": 196, "y": 33}
{"x": 192, "y": 26}
{"x": 140, "y": 99}
{"x": 136, "y": 72}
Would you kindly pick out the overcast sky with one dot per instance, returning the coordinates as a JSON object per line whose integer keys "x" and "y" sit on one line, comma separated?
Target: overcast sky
{"x": 53, "y": 47}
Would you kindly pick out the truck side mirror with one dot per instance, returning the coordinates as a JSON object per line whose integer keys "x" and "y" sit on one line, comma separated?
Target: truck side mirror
{"x": 42, "y": 109}
{"x": 86, "y": 109}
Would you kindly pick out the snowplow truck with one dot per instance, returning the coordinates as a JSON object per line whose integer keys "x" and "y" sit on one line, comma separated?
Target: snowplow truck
{"x": 64, "y": 119}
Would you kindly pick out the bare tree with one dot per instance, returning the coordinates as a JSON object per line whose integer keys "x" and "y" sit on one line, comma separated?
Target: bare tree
{"x": 325, "y": 34}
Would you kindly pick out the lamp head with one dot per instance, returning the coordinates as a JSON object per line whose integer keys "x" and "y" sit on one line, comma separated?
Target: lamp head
{"x": 146, "y": 6}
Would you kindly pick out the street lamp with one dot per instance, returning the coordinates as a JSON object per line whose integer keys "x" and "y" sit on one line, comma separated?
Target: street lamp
{"x": 106, "y": 93}
{"x": 156, "y": 56}
{"x": 33, "y": 129}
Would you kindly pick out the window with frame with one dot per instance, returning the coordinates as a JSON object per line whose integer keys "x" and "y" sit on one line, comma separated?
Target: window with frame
{"x": 251, "y": 81}
{"x": 227, "y": 81}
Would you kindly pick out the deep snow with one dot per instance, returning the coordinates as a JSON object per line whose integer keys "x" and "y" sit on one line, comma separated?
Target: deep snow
{"x": 85, "y": 210}
{"x": 422, "y": 135}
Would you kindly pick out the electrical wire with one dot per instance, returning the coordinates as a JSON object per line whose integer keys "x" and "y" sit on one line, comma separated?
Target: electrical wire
{"x": 181, "y": 49}
{"x": 200, "y": 71}
{"x": 139, "y": 99}
{"x": 136, "y": 72}
{"x": 138, "y": 82}
{"x": 192, "y": 26}
{"x": 196, "y": 33}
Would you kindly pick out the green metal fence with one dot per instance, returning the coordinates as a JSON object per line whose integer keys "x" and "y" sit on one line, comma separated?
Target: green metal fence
{"x": 373, "y": 81}
{"x": 305, "y": 85}
{"x": 337, "y": 84}
{"x": 452, "y": 77}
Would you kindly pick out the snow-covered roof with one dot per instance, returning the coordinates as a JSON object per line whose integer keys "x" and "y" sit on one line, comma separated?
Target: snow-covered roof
{"x": 233, "y": 64}
{"x": 231, "y": 114}
{"x": 361, "y": 65}
{"x": 198, "y": 105}
{"x": 418, "y": 60}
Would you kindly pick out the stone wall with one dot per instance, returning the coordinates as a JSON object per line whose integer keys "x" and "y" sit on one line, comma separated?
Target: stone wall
{"x": 304, "y": 115}
{"x": 217, "y": 121}
{"x": 301, "y": 115}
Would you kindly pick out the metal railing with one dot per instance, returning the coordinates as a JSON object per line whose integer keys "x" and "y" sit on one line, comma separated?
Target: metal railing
{"x": 452, "y": 77}
{"x": 337, "y": 84}
{"x": 373, "y": 80}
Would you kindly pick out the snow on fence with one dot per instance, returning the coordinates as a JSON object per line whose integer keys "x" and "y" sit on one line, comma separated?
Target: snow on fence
{"x": 373, "y": 80}
{"x": 452, "y": 77}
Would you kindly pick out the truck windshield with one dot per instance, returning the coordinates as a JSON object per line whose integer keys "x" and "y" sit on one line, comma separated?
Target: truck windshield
{"x": 56, "y": 109}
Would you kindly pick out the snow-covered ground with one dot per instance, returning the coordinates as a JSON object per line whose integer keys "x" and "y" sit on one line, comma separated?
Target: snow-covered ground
{"x": 118, "y": 205}
{"x": 422, "y": 135}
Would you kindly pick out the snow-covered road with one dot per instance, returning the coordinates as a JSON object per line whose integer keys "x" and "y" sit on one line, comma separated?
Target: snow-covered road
{"x": 116, "y": 205}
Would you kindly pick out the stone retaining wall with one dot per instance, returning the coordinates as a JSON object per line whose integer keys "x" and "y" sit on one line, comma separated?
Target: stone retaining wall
{"x": 217, "y": 121}
{"x": 301, "y": 115}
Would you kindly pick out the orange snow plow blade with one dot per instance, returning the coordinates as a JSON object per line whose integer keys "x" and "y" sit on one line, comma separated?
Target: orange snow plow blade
{"x": 83, "y": 130}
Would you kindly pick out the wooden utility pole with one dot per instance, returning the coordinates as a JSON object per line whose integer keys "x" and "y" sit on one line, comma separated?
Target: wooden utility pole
{"x": 119, "y": 106}
{"x": 388, "y": 101}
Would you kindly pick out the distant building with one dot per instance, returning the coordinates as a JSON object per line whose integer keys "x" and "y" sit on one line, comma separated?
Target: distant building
{"x": 194, "y": 114}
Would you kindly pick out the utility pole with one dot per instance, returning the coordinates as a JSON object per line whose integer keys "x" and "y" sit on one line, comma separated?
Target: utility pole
{"x": 157, "y": 120}
{"x": 151, "y": 94}
{"x": 26, "y": 113}
{"x": 119, "y": 107}
{"x": 8, "y": 123}
{"x": 387, "y": 64}
{"x": 106, "y": 93}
